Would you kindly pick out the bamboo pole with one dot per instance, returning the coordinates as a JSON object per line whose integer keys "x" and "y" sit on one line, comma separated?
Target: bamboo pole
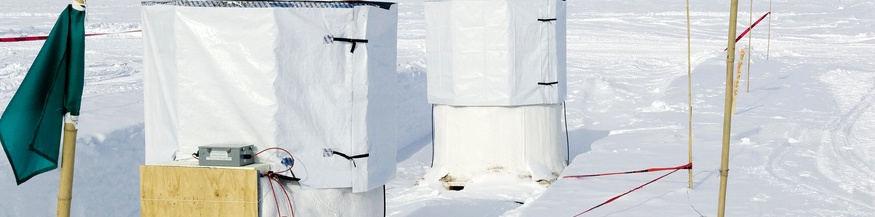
{"x": 769, "y": 41}
{"x": 727, "y": 116}
{"x": 689, "y": 101}
{"x": 68, "y": 159}
{"x": 67, "y": 163}
{"x": 749, "y": 38}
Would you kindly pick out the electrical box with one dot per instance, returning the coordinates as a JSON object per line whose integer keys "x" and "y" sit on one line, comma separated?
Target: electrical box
{"x": 226, "y": 155}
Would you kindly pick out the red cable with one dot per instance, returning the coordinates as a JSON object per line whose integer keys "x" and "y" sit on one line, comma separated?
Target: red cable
{"x": 275, "y": 200}
{"x": 630, "y": 191}
{"x": 272, "y": 179}
{"x": 685, "y": 166}
{"x": 288, "y": 199}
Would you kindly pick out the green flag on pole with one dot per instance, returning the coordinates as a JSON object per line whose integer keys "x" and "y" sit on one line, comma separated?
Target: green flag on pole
{"x": 31, "y": 126}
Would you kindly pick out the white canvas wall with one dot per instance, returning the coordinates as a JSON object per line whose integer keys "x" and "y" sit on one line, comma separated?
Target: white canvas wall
{"x": 519, "y": 140}
{"x": 323, "y": 202}
{"x": 495, "y": 52}
{"x": 263, "y": 73}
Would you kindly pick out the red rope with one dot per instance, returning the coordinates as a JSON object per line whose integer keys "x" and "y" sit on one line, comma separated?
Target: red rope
{"x": 44, "y": 37}
{"x": 630, "y": 191}
{"x": 684, "y": 167}
{"x": 748, "y": 28}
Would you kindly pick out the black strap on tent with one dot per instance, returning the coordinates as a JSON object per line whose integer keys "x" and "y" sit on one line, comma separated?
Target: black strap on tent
{"x": 547, "y": 19}
{"x": 350, "y": 158}
{"x": 548, "y": 83}
{"x": 350, "y": 40}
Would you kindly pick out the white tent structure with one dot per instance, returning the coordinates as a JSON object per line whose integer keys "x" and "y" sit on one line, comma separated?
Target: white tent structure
{"x": 314, "y": 77}
{"x": 496, "y": 74}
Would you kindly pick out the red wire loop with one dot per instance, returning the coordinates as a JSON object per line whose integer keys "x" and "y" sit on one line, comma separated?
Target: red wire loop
{"x": 271, "y": 178}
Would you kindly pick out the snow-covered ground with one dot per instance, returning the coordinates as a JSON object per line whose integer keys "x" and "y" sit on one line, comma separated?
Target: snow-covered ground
{"x": 801, "y": 141}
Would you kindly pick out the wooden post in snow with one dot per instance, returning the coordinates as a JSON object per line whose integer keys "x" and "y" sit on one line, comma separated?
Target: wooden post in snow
{"x": 769, "y": 41}
{"x": 749, "y": 39}
{"x": 689, "y": 100}
{"x": 67, "y": 160}
{"x": 727, "y": 113}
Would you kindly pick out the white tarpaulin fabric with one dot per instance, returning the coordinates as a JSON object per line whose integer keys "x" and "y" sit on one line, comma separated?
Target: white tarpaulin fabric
{"x": 495, "y": 52}
{"x": 304, "y": 76}
{"x": 520, "y": 140}
{"x": 323, "y": 202}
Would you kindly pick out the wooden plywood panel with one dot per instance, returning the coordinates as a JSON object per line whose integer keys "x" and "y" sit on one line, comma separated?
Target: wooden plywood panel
{"x": 194, "y": 191}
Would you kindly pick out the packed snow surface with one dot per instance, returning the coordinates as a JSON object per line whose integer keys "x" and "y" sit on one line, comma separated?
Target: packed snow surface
{"x": 800, "y": 143}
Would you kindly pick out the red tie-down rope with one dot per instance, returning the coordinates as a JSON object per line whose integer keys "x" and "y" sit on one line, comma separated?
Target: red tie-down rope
{"x": 751, "y": 27}
{"x": 673, "y": 169}
{"x": 686, "y": 166}
{"x": 44, "y": 37}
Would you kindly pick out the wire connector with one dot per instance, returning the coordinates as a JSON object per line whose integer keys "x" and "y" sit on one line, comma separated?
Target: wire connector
{"x": 288, "y": 161}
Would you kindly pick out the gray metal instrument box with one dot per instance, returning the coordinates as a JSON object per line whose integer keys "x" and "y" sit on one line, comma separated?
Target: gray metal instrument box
{"x": 226, "y": 155}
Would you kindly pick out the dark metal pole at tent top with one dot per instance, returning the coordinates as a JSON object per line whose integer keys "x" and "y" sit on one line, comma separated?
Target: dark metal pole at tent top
{"x": 727, "y": 110}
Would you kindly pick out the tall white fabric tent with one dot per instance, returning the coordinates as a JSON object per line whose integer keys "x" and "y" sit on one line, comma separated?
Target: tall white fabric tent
{"x": 496, "y": 74}
{"x": 314, "y": 77}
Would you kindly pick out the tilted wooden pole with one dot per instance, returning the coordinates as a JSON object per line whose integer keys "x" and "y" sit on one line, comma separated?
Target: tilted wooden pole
{"x": 67, "y": 163}
{"x": 689, "y": 100}
{"x": 727, "y": 113}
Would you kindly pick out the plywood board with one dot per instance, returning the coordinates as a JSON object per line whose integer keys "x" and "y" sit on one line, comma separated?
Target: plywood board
{"x": 193, "y": 191}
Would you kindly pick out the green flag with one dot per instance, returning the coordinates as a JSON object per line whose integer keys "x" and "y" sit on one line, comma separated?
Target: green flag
{"x": 31, "y": 126}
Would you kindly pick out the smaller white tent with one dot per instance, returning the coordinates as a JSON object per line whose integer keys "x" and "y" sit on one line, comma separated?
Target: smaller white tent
{"x": 495, "y": 52}
{"x": 496, "y": 74}
{"x": 314, "y": 77}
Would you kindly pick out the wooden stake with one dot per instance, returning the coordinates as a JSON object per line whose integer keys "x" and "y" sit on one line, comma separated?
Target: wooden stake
{"x": 67, "y": 163}
{"x": 749, "y": 38}
{"x": 727, "y": 115}
{"x": 769, "y": 41}
{"x": 68, "y": 159}
{"x": 689, "y": 100}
